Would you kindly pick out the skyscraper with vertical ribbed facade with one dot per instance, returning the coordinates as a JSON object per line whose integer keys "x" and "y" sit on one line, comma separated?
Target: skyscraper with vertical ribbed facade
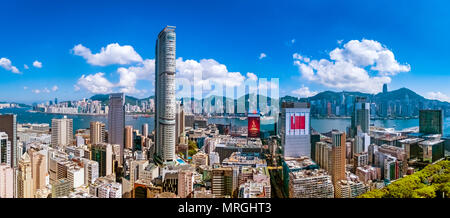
{"x": 97, "y": 132}
{"x": 62, "y": 132}
{"x": 116, "y": 121}
{"x": 338, "y": 157}
{"x": 165, "y": 95}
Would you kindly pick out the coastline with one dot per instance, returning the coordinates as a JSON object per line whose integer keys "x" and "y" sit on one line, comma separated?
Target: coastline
{"x": 86, "y": 114}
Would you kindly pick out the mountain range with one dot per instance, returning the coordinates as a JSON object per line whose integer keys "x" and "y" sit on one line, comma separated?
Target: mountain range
{"x": 403, "y": 96}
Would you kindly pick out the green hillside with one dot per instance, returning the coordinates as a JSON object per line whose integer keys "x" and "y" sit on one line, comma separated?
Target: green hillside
{"x": 431, "y": 182}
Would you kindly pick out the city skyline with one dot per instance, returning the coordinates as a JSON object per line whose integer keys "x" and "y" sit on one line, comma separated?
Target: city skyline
{"x": 67, "y": 64}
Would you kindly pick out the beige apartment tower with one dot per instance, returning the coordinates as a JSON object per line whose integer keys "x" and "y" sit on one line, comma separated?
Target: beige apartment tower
{"x": 97, "y": 132}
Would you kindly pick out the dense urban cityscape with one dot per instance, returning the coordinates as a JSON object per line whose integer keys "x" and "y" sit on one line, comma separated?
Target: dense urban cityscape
{"x": 186, "y": 156}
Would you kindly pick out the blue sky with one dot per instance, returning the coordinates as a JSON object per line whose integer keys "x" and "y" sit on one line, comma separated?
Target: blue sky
{"x": 230, "y": 34}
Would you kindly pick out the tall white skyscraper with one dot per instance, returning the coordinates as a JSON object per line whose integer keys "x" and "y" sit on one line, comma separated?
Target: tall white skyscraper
{"x": 62, "y": 132}
{"x": 145, "y": 130}
{"x": 116, "y": 121}
{"x": 165, "y": 94}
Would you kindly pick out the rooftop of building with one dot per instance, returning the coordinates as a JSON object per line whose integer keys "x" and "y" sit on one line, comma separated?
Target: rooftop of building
{"x": 298, "y": 163}
{"x": 431, "y": 142}
{"x": 309, "y": 173}
{"x": 410, "y": 140}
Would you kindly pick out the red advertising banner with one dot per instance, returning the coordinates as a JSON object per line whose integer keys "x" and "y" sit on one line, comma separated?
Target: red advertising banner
{"x": 297, "y": 122}
{"x": 253, "y": 127}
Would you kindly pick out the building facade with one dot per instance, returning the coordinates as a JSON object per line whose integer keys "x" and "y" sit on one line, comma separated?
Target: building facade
{"x": 165, "y": 94}
{"x": 116, "y": 122}
{"x": 62, "y": 132}
{"x": 8, "y": 124}
{"x": 295, "y": 129}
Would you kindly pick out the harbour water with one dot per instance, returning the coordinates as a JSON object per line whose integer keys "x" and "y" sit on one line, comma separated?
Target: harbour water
{"x": 321, "y": 125}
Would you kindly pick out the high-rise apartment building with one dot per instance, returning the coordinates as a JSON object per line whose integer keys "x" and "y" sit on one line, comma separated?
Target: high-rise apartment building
{"x": 222, "y": 182}
{"x": 116, "y": 121}
{"x": 323, "y": 155}
{"x": 145, "y": 130}
{"x": 24, "y": 178}
{"x": 295, "y": 129}
{"x": 61, "y": 188}
{"x": 360, "y": 116}
{"x": 62, "y": 132}
{"x": 90, "y": 171}
{"x": 165, "y": 94}
{"x": 9, "y": 126}
{"x": 338, "y": 157}
{"x": 179, "y": 121}
{"x": 38, "y": 168}
{"x": 103, "y": 154}
{"x": 185, "y": 183}
{"x": 97, "y": 132}
{"x": 310, "y": 184}
{"x": 129, "y": 137}
{"x": 6, "y": 181}
{"x": 430, "y": 121}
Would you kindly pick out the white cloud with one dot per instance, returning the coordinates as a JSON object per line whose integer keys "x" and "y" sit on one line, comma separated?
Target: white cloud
{"x": 25, "y": 88}
{"x": 112, "y": 54}
{"x": 438, "y": 96}
{"x": 37, "y": 64}
{"x": 304, "y": 92}
{"x": 95, "y": 83}
{"x": 292, "y": 41}
{"x": 252, "y": 76}
{"x": 26, "y": 67}
{"x": 46, "y": 90}
{"x": 205, "y": 73}
{"x": 347, "y": 67}
{"x": 37, "y": 91}
{"x": 129, "y": 76}
{"x": 262, "y": 55}
{"x": 76, "y": 88}
{"x": 339, "y": 41}
{"x": 369, "y": 53}
{"x": 7, "y": 65}
{"x": 55, "y": 88}
{"x": 208, "y": 72}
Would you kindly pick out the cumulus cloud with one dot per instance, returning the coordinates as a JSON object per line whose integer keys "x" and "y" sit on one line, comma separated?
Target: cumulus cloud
{"x": 112, "y": 54}
{"x": 37, "y": 91}
{"x": 37, "y": 64}
{"x": 25, "y": 88}
{"x": 262, "y": 55}
{"x": 55, "y": 88}
{"x": 252, "y": 76}
{"x": 7, "y": 65}
{"x": 129, "y": 76}
{"x": 292, "y": 41}
{"x": 206, "y": 73}
{"x": 304, "y": 92}
{"x": 438, "y": 96}
{"x": 348, "y": 67}
{"x": 95, "y": 83}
